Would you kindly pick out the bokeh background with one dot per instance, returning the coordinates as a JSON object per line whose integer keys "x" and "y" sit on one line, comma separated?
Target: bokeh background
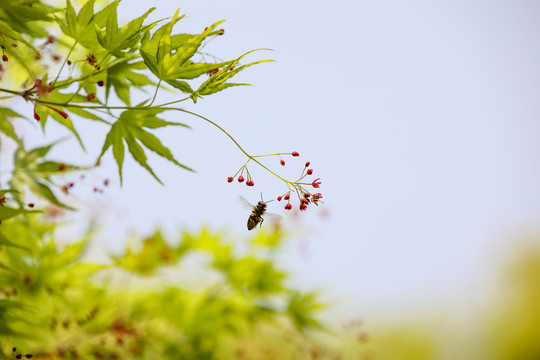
{"x": 420, "y": 118}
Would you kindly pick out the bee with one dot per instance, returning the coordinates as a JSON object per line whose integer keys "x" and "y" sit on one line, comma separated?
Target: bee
{"x": 256, "y": 214}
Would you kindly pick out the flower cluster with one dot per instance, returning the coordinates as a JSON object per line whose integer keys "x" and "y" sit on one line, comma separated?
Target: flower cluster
{"x": 305, "y": 197}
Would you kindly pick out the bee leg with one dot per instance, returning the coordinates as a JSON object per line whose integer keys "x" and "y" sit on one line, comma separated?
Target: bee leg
{"x": 262, "y": 220}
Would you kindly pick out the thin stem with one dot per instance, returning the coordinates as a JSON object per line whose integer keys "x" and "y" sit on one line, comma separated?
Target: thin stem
{"x": 155, "y": 93}
{"x": 64, "y": 63}
{"x": 170, "y": 108}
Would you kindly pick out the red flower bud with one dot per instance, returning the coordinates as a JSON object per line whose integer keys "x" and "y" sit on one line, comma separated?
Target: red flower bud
{"x": 286, "y": 197}
{"x": 69, "y": 62}
{"x": 28, "y": 356}
{"x": 279, "y": 198}
{"x": 62, "y": 167}
{"x": 282, "y": 162}
{"x": 310, "y": 171}
{"x": 294, "y": 153}
{"x": 19, "y": 356}
{"x": 14, "y": 349}
{"x": 31, "y": 205}
{"x": 100, "y": 83}
{"x": 230, "y": 179}
{"x": 250, "y": 183}
{"x": 240, "y": 178}
{"x": 303, "y": 207}
{"x": 304, "y": 201}
{"x": 36, "y": 116}
{"x": 307, "y": 164}
{"x": 4, "y": 58}
{"x": 288, "y": 207}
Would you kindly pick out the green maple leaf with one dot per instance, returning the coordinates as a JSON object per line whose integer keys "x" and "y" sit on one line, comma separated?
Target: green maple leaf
{"x": 217, "y": 82}
{"x": 34, "y": 172}
{"x": 122, "y": 78}
{"x": 168, "y": 56}
{"x": 5, "y": 124}
{"x": 116, "y": 40}
{"x": 80, "y": 26}
{"x": 129, "y": 129}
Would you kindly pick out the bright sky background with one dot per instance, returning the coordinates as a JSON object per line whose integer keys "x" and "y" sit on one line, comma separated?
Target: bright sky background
{"x": 421, "y": 118}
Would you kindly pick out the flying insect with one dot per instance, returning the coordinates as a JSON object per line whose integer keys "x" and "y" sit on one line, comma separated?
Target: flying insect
{"x": 256, "y": 213}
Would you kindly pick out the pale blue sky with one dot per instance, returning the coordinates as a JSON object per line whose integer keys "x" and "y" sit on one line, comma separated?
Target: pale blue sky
{"x": 421, "y": 118}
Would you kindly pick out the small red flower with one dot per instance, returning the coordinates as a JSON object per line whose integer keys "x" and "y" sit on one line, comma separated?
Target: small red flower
{"x": 230, "y": 179}
{"x": 310, "y": 171}
{"x": 279, "y": 198}
{"x": 286, "y": 197}
{"x": 282, "y": 162}
{"x": 250, "y": 183}
{"x": 91, "y": 97}
{"x": 240, "y": 178}
{"x": 316, "y": 184}
{"x": 295, "y": 153}
{"x": 304, "y": 201}
{"x": 307, "y": 164}
{"x": 307, "y": 195}
{"x": 303, "y": 207}
{"x": 288, "y": 207}
{"x": 36, "y": 116}
{"x": 315, "y": 198}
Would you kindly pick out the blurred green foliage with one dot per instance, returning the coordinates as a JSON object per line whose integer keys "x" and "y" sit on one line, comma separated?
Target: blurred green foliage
{"x": 202, "y": 295}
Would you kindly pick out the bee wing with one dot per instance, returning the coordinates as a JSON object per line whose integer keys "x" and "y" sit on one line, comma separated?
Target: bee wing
{"x": 272, "y": 217}
{"x": 246, "y": 203}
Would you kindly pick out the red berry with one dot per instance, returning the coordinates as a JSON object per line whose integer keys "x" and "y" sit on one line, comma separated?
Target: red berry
{"x": 240, "y": 178}
{"x": 307, "y": 164}
{"x": 286, "y": 197}
{"x": 230, "y": 179}
{"x": 294, "y": 153}
{"x": 310, "y": 171}
{"x": 282, "y": 162}
{"x": 4, "y": 58}
{"x": 288, "y": 207}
